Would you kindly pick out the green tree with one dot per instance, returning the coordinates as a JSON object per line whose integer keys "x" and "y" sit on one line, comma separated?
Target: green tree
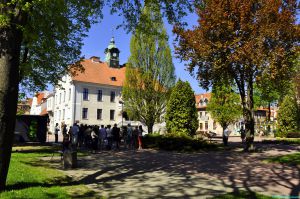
{"x": 150, "y": 70}
{"x": 38, "y": 41}
{"x": 264, "y": 94}
{"x": 224, "y": 105}
{"x": 181, "y": 115}
{"x": 288, "y": 116}
{"x": 239, "y": 40}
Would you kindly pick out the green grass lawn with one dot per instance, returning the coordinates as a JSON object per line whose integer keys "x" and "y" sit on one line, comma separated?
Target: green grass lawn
{"x": 286, "y": 159}
{"x": 30, "y": 177}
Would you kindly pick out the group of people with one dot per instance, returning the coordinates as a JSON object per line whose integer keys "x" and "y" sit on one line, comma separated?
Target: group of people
{"x": 100, "y": 137}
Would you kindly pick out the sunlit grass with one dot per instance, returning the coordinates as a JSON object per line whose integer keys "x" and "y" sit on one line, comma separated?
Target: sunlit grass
{"x": 30, "y": 177}
{"x": 286, "y": 159}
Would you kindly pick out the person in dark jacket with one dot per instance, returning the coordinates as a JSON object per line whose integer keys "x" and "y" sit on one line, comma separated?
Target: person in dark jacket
{"x": 116, "y": 136}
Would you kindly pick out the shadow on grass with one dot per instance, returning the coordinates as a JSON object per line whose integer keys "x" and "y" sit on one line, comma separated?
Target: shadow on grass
{"x": 58, "y": 181}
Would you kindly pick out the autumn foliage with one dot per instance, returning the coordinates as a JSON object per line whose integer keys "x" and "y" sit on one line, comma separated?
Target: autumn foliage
{"x": 240, "y": 40}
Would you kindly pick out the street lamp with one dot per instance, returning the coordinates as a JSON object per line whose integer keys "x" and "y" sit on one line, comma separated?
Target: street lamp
{"x": 122, "y": 103}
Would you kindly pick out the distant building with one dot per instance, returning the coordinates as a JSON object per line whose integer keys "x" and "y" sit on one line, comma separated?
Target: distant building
{"x": 24, "y": 106}
{"x": 39, "y": 103}
{"x": 92, "y": 97}
{"x": 207, "y": 123}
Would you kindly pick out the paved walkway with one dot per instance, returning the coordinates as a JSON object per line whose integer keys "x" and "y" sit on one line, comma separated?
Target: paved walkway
{"x": 161, "y": 174}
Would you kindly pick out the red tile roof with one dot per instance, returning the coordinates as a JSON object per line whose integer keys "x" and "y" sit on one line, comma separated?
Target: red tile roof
{"x": 40, "y": 97}
{"x": 198, "y": 97}
{"x": 100, "y": 73}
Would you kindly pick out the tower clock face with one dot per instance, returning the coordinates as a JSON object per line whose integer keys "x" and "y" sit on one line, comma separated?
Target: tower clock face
{"x": 114, "y": 54}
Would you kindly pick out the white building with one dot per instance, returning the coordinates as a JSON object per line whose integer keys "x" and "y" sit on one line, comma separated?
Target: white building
{"x": 39, "y": 103}
{"x": 206, "y": 122}
{"x": 92, "y": 97}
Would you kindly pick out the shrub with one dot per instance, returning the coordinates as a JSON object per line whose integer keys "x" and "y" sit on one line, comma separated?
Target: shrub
{"x": 293, "y": 135}
{"x": 171, "y": 142}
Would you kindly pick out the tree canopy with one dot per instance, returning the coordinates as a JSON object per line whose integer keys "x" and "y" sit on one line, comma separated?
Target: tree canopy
{"x": 41, "y": 41}
{"x": 150, "y": 72}
{"x": 224, "y": 105}
{"x": 288, "y": 115}
{"x": 181, "y": 115}
{"x": 240, "y": 40}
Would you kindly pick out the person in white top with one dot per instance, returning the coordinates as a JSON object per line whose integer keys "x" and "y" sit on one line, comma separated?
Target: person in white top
{"x": 102, "y": 137}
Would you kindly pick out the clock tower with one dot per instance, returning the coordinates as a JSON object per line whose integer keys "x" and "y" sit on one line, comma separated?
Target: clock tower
{"x": 112, "y": 54}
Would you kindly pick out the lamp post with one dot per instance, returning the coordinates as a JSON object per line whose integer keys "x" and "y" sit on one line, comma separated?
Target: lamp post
{"x": 122, "y": 103}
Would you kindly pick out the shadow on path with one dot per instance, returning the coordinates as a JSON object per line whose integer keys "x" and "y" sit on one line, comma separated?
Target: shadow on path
{"x": 161, "y": 174}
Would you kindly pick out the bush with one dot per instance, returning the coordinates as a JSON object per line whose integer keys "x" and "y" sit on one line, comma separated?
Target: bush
{"x": 283, "y": 141}
{"x": 171, "y": 142}
{"x": 293, "y": 135}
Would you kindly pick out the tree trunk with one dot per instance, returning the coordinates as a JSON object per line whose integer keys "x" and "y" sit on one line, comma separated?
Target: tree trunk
{"x": 249, "y": 117}
{"x": 150, "y": 127}
{"x": 269, "y": 118}
{"x": 10, "y": 44}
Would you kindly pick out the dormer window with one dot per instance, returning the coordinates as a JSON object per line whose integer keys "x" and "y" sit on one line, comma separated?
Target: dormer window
{"x": 113, "y": 79}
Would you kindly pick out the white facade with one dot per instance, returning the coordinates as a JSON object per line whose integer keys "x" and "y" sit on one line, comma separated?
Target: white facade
{"x": 82, "y": 102}
{"x": 207, "y": 123}
{"x": 39, "y": 103}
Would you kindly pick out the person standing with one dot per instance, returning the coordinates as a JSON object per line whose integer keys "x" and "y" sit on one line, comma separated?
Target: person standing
{"x": 135, "y": 134}
{"x": 75, "y": 132}
{"x": 109, "y": 137}
{"x": 116, "y": 136}
{"x": 243, "y": 134}
{"x": 94, "y": 139}
{"x": 56, "y": 132}
{"x": 225, "y": 136}
{"x": 102, "y": 137}
{"x": 129, "y": 137}
{"x": 140, "y": 135}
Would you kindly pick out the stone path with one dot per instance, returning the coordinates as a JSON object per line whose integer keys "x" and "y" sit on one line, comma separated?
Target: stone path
{"x": 161, "y": 174}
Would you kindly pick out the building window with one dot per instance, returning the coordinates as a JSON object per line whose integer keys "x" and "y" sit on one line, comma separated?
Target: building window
{"x": 206, "y": 125}
{"x": 85, "y": 94}
{"x": 60, "y": 98}
{"x": 99, "y": 114}
{"x": 112, "y": 96}
{"x": 64, "y": 96}
{"x": 99, "y": 97}
{"x": 201, "y": 126}
{"x": 113, "y": 79}
{"x": 112, "y": 114}
{"x": 69, "y": 94}
{"x": 84, "y": 113}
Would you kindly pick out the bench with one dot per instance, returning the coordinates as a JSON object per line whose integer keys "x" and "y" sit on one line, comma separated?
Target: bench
{"x": 211, "y": 136}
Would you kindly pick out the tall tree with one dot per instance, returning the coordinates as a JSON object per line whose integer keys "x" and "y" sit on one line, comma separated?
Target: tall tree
{"x": 224, "y": 105}
{"x": 38, "y": 41}
{"x": 150, "y": 70}
{"x": 288, "y": 115}
{"x": 181, "y": 115}
{"x": 238, "y": 40}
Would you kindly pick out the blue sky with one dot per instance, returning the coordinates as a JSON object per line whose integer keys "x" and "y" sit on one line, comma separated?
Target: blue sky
{"x": 101, "y": 33}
